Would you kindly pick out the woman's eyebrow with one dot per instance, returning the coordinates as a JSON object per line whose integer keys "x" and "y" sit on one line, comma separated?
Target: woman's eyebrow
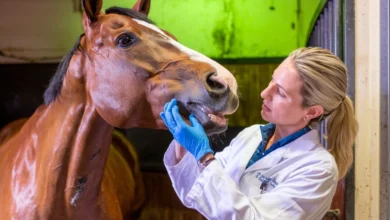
{"x": 279, "y": 86}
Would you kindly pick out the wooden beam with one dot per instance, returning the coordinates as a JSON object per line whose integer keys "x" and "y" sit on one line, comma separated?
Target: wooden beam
{"x": 367, "y": 147}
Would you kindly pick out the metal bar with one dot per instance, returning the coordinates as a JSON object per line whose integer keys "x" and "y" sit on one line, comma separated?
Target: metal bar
{"x": 384, "y": 109}
{"x": 338, "y": 28}
{"x": 331, "y": 27}
{"x": 319, "y": 31}
{"x": 326, "y": 27}
{"x": 349, "y": 60}
{"x": 318, "y": 36}
{"x": 322, "y": 30}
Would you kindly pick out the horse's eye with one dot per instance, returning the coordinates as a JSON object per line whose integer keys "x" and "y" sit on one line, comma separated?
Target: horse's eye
{"x": 125, "y": 41}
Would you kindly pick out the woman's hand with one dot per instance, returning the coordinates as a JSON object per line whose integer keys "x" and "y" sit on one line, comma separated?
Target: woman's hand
{"x": 193, "y": 138}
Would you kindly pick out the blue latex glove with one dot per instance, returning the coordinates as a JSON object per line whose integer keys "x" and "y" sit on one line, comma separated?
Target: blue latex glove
{"x": 193, "y": 138}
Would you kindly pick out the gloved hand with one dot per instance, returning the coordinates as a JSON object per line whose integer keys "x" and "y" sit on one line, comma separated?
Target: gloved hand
{"x": 193, "y": 138}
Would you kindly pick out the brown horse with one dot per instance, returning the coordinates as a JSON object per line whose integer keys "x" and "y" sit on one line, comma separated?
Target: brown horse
{"x": 59, "y": 164}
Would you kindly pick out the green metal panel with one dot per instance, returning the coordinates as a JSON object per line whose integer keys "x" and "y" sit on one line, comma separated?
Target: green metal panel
{"x": 234, "y": 28}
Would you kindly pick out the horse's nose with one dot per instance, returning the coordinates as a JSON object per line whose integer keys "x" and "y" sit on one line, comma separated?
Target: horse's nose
{"x": 215, "y": 85}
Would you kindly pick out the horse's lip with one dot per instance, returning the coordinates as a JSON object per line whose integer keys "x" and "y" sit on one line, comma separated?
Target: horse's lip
{"x": 203, "y": 108}
{"x": 202, "y": 113}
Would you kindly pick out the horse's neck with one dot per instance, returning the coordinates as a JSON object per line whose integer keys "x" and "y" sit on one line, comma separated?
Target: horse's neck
{"x": 72, "y": 152}
{"x": 88, "y": 153}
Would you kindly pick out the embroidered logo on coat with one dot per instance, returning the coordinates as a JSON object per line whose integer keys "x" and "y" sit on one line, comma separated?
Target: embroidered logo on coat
{"x": 265, "y": 181}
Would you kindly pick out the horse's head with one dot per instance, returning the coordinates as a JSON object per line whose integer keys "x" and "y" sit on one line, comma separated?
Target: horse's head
{"x": 133, "y": 68}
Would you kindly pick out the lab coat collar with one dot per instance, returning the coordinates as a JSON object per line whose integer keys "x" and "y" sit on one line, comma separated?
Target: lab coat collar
{"x": 243, "y": 157}
{"x": 305, "y": 143}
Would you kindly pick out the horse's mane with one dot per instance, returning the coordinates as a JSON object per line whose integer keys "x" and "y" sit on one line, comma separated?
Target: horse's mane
{"x": 55, "y": 85}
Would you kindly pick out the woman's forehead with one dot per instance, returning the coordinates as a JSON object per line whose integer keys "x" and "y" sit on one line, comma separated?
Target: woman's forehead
{"x": 287, "y": 76}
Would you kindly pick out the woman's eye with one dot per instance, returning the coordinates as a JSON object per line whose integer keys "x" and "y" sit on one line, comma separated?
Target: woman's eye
{"x": 280, "y": 93}
{"x": 125, "y": 41}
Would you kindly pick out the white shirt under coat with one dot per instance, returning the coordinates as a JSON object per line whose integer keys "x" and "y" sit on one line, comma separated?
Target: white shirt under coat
{"x": 301, "y": 179}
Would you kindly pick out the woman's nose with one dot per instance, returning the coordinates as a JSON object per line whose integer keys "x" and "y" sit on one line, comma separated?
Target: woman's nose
{"x": 265, "y": 92}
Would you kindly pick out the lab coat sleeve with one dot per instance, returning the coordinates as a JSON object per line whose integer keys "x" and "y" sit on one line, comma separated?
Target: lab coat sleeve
{"x": 184, "y": 173}
{"x": 187, "y": 170}
{"x": 306, "y": 195}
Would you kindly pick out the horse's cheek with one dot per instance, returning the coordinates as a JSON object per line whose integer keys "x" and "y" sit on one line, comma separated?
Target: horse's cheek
{"x": 114, "y": 105}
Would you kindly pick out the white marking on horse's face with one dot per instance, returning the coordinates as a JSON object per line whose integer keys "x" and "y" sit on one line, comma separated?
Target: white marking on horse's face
{"x": 222, "y": 73}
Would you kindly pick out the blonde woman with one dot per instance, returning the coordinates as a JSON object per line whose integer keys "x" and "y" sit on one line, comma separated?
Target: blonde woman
{"x": 274, "y": 171}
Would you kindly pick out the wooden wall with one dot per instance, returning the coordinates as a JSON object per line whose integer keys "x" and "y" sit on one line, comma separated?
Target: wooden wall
{"x": 251, "y": 79}
{"x": 162, "y": 202}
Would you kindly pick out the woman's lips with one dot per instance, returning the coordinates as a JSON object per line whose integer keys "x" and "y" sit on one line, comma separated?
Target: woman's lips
{"x": 265, "y": 108}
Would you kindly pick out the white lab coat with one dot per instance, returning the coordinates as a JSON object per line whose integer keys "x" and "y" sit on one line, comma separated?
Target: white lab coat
{"x": 301, "y": 180}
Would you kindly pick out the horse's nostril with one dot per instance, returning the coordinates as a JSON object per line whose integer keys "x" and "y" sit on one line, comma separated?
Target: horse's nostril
{"x": 215, "y": 85}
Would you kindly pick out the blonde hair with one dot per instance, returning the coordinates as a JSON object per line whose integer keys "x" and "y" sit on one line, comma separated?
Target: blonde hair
{"x": 324, "y": 78}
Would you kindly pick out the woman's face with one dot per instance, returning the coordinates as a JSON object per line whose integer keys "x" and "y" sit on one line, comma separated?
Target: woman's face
{"x": 282, "y": 99}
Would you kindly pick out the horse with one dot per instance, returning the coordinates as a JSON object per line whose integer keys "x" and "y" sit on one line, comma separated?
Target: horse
{"x": 67, "y": 161}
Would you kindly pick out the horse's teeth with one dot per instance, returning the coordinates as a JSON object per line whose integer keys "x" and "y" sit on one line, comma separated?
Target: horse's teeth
{"x": 217, "y": 119}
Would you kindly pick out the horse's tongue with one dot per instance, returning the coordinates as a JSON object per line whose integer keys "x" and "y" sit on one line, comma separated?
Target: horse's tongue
{"x": 217, "y": 119}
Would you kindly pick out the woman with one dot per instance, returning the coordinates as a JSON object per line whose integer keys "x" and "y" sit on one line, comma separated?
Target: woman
{"x": 278, "y": 170}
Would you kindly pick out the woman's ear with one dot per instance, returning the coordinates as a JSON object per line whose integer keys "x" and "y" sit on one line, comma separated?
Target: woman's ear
{"x": 314, "y": 111}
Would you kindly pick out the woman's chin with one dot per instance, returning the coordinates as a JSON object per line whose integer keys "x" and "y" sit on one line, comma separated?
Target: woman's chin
{"x": 265, "y": 116}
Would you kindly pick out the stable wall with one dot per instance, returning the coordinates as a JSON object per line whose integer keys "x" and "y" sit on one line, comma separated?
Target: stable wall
{"x": 367, "y": 105}
{"x": 43, "y": 30}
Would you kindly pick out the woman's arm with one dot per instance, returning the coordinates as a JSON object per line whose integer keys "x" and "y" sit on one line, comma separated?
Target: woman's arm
{"x": 180, "y": 152}
{"x": 183, "y": 169}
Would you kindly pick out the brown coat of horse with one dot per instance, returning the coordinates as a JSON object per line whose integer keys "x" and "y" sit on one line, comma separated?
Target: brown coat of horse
{"x": 58, "y": 164}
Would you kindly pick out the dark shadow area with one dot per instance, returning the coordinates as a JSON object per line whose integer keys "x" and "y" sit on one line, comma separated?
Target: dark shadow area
{"x": 151, "y": 145}
{"x": 21, "y": 89}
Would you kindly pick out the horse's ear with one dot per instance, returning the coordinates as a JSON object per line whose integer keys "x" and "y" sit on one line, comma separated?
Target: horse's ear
{"x": 92, "y": 9}
{"x": 142, "y": 6}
